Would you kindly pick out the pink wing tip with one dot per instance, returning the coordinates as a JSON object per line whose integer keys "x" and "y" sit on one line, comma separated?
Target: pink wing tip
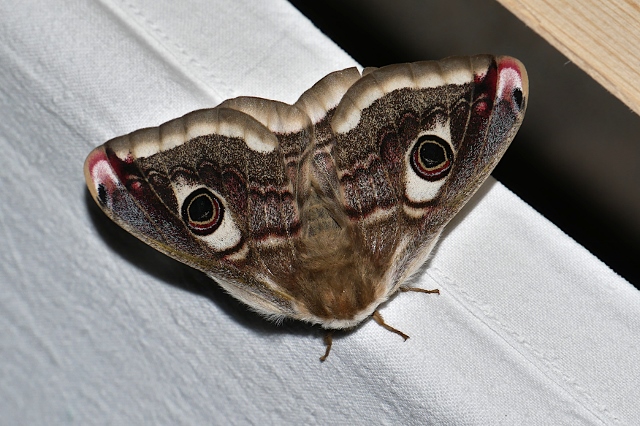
{"x": 513, "y": 82}
{"x": 99, "y": 174}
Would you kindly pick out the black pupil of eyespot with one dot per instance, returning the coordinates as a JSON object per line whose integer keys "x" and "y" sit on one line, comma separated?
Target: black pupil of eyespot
{"x": 102, "y": 194}
{"x": 432, "y": 154}
{"x": 517, "y": 97}
{"x": 201, "y": 209}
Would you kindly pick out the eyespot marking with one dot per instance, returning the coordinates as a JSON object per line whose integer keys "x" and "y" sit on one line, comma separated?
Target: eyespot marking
{"x": 431, "y": 158}
{"x": 429, "y": 161}
{"x": 207, "y": 216}
{"x": 202, "y": 212}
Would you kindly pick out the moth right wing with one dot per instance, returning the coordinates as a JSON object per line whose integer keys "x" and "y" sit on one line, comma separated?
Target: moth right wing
{"x": 411, "y": 143}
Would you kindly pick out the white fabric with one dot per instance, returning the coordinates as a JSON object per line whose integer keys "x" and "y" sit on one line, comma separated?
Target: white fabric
{"x": 97, "y": 329}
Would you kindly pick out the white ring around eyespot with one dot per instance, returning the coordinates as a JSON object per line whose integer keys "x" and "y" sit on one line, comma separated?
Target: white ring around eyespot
{"x": 227, "y": 235}
{"x": 417, "y": 189}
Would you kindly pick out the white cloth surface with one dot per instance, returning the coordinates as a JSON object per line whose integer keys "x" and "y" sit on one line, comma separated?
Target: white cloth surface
{"x": 97, "y": 329}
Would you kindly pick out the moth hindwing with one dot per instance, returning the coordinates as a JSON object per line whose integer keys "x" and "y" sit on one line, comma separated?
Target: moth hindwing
{"x": 320, "y": 210}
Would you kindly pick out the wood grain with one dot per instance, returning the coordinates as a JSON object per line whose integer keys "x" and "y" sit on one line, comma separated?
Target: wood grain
{"x": 601, "y": 37}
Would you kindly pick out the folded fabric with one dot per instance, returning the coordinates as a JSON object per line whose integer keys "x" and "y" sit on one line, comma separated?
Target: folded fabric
{"x": 96, "y": 327}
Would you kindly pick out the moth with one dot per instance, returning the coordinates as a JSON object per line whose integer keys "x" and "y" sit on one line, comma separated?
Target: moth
{"x": 317, "y": 211}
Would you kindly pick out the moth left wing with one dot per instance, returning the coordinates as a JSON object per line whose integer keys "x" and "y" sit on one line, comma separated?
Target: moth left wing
{"x": 215, "y": 189}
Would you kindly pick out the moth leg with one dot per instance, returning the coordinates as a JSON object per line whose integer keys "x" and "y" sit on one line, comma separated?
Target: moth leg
{"x": 419, "y": 290}
{"x": 328, "y": 341}
{"x": 378, "y": 318}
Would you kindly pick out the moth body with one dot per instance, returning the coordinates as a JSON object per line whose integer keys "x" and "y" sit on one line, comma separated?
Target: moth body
{"x": 319, "y": 210}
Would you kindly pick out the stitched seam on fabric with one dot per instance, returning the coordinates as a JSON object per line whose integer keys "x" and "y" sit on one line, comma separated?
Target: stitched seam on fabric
{"x": 168, "y": 48}
{"x": 476, "y": 309}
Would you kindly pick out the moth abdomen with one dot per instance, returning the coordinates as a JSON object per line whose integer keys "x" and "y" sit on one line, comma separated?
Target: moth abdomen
{"x": 335, "y": 281}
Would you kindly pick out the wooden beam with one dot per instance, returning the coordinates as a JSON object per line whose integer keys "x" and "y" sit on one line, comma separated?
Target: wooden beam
{"x": 600, "y": 36}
